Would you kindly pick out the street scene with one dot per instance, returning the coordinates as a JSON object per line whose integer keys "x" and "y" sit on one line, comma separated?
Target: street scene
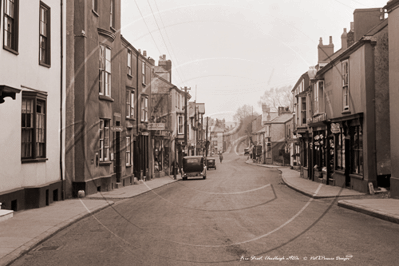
{"x": 151, "y": 132}
{"x": 240, "y": 212}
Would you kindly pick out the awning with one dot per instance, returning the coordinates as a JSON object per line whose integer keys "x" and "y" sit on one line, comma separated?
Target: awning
{"x": 7, "y": 91}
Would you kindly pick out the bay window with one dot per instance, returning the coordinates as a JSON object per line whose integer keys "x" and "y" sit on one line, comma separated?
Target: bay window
{"x": 33, "y": 125}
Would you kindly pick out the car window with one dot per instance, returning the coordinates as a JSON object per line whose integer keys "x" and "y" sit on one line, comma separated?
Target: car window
{"x": 192, "y": 160}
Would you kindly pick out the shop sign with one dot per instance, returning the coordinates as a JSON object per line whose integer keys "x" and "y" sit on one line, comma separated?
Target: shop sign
{"x": 117, "y": 128}
{"x": 335, "y": 128}
{"x": 156, "y": 126}
{"x": 320, "y": 117}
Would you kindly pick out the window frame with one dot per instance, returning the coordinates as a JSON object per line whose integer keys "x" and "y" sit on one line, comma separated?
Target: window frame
{"x": 143, "y": 73}
{"x": 345, "y": 84}
{"x": 180, "y": 124}
{"x": 35, "y": 98}
{"x": 130, "y": 104}
{"x": 14, "y": 38}
{"x": 129, "y": 63}
{"x": 356, "y": 150}
{"x": 104, "y": 144}
{"x": 112, "y": 15}
{"x": 47, "y": 50}
{"x": 340, "y": 150}
{"x": 128, "y": 151}
{"x": 95, "y": 6}
{"x": 144, "y": 108}
{"x": 105, "y": 77}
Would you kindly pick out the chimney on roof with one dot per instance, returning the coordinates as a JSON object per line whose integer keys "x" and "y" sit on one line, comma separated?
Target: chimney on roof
{"x": 365, "y": 19}
{"x": 283, "y": 110}
{"x": 145, "y": 53}
{"x": 325, "y": 51}
{"x": 350, "y": 37}
{"x": 139, "y": 50}
{"x": 166, "y": 65}
{"x": 344, "y": 40}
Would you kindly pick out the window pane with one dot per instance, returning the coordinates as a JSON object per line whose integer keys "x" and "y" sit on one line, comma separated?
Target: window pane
{"x": 132, "y": 105}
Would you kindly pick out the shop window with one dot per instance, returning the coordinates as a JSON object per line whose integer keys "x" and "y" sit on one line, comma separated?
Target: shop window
{"x": 340, "y": 150}
{"x": 33, "y": 126}
{"x": 44, "y": 35}
{"x": 10, "y": 31}
{"x": 357, "y": 150}
{"x": 319, "y": 150}
{"x": 104, "y": 140}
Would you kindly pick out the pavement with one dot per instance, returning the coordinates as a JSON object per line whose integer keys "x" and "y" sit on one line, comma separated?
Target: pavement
{"x": 29, "y": 228}
{"x": 374, "y": 205}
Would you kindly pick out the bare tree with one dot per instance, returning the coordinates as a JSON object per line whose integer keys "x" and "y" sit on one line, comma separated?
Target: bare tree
{"x": 276, "y": 97}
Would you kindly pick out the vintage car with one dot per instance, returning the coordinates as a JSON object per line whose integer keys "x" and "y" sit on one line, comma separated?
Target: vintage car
{"x": 210, "y": 163}
{"x": 194, "y": 166}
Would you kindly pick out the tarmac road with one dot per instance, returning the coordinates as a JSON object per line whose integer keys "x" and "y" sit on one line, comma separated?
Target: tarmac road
{"x": 239, "y": 214}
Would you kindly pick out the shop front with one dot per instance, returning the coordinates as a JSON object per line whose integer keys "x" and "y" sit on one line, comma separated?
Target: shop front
{"x": 321, "y": 165}
{"x": 348, "y": 149}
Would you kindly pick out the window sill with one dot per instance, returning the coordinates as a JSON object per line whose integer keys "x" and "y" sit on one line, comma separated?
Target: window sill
{"x": 112, "y": 28}
{"x": 37, "y": 160}
{"x": 95, "y": 13}
{"x": 105, "y": 163}
{"x": 105, "y": 98}
{"x": 129, "y": 76}
{"x": 143, "y": 84}
{"x": 10, "y": 50}
{"x": 356, "y": 176}
{"x": 44, "y": 64}
{"x": 128, "y": 166}
{"x": 130, "y": 119}
{"x": 339, "y": 171}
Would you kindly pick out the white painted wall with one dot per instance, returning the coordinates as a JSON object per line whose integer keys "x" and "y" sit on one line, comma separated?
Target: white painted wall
{"x": 23, "y": 70}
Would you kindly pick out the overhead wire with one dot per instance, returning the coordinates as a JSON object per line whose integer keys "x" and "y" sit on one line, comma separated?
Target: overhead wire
{"x": 171, "y": 52}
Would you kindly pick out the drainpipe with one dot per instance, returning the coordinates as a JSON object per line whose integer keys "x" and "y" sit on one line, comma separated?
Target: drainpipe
{"x": 61, "y": 100}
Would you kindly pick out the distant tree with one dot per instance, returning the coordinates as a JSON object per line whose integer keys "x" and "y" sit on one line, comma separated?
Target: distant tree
{"x": 276, "y": 97}
{"x": 246, "y": 115}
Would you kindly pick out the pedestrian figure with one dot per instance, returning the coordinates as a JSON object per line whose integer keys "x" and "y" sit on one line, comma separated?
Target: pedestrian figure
{"x": 220, "y": 157}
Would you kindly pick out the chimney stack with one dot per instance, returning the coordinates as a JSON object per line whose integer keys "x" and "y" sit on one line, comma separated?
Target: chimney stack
{"x": 344, "y": 40}
{"x": 325, "y": 51}
{"x": 145, "y": 53}
{"x": 365, "y": 19}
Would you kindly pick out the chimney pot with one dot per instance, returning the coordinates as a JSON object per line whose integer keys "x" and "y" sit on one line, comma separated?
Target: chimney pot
{"x": 321, "y": 41}
{"x": 330, "y": 39}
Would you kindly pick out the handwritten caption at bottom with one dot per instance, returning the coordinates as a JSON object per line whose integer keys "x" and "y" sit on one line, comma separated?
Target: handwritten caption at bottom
{"x": 295, "y": 258}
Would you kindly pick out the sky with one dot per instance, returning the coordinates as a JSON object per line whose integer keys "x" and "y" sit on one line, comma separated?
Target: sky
{"x": 229, "y": 52}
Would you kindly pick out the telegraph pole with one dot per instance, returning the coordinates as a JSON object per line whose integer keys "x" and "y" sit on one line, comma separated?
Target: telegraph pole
{"x": 206, "y": 137}
{"x": 185, "y": 118}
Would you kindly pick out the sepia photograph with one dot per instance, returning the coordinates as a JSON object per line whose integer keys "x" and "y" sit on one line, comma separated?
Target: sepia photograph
{"x": 186, "y": 132}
